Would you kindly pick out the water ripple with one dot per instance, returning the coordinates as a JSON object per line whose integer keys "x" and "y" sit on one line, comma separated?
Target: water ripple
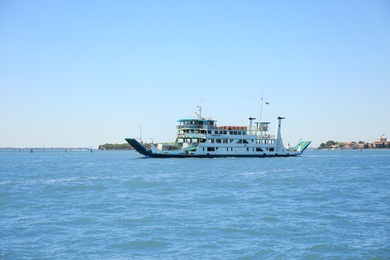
{"x": 326, "y": 204}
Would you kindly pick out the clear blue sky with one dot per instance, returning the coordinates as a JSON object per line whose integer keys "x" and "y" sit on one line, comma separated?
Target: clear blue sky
{"x": 83, "y": 73}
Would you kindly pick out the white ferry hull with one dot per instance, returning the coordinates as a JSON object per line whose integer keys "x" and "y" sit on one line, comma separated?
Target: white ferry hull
{"x": 238, "y": 152}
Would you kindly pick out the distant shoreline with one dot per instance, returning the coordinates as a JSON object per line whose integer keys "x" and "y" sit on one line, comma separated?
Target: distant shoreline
{"x": 348, "y": 149}
{"x": 44, "y": 149}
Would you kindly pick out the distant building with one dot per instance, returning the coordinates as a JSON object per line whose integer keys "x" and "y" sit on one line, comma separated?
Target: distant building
{"x": 351, "y": 145}
{"x": 378, "y": 144}
{"x": 361, "y": 145}
{"x": 381, "y": 143}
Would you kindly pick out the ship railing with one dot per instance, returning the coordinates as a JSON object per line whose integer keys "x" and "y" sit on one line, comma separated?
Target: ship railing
{"x": 189, "y": 126}
{"x": 232, "y": 128}
{"x": 196, "y": 126}
{"x": 190, "y": 135}
{"x": 266, "y": 136}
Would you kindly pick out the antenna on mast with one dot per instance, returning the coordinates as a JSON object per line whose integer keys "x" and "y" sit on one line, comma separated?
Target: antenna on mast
{"x": 261, "y": 111}
{"x": 199, "y": 114}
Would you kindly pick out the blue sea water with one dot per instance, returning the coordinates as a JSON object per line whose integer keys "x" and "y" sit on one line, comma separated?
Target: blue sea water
{"x": 119, "y": 205}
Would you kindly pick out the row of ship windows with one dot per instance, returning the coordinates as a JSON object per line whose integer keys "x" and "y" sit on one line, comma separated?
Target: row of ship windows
{"x": 213, "y": 149}
{"x": 190, "y": 123}
{"x": 216, "y": 132}
{"x": 239, "y": 141}
{"x": 227, "y": 141}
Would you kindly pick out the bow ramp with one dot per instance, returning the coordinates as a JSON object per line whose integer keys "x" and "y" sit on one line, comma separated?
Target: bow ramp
{"x": 302, "y": 145}
{"x": 138, "y": 146}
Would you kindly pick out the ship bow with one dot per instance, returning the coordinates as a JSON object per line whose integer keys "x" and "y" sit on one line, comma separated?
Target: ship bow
{"x": 138, "y": 147}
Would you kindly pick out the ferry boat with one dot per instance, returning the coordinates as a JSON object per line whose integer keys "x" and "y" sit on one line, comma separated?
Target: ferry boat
{"x": 202, "y": 138}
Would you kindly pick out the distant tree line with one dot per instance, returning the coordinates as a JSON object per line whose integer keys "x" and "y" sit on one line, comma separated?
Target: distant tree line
{"x": 331, "y": 144}
{"x": 340, "y": 145}
{"x": 124, "y": 146}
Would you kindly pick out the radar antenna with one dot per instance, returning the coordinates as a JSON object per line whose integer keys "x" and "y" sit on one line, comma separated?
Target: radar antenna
{"x": 199, "y": 113}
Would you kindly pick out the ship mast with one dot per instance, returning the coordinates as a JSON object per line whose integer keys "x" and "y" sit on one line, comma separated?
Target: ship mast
{"x": 261, "y": 110}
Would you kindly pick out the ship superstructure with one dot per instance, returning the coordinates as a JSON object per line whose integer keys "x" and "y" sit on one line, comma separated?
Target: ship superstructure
{"x": 202, "y": 137}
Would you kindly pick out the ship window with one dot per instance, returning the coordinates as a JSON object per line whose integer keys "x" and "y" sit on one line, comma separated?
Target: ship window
{"x": 239, "y": 141}
{"x": 259, "y": 150}
{"x": 235, "y": 132}
{"x": 203, "y": 140}
{"x": 218, "y": 141}
{"x": 245, "y": 141}
{"x": 271, "y": 149}
{"x": 210, "y": 149}
{"x": 225, "y": 141}
{"x": 247, "y": 149}
{"x": 239, "y": 132}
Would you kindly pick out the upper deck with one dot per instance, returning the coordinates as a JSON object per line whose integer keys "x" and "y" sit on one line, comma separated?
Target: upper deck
{"x": 192, "y": 123}
{"x": 199, "y": 127}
